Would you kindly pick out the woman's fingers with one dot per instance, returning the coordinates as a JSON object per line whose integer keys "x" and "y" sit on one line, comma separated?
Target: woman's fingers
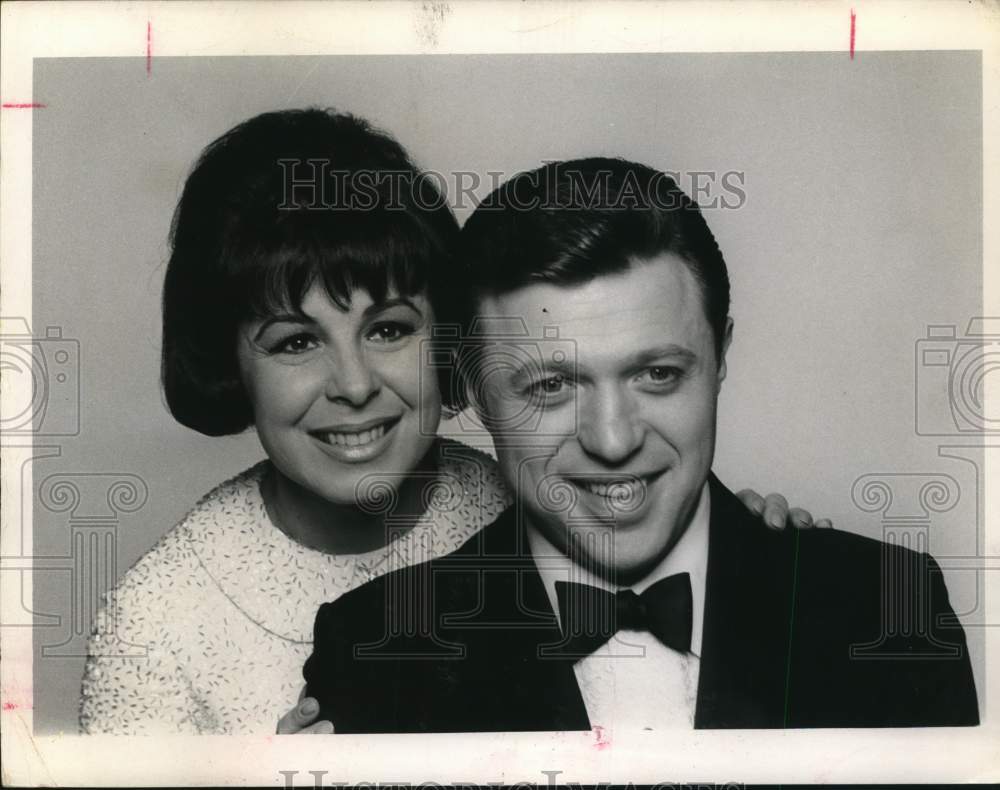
{"x": 775, "y": 511}
{"x": 800, "y": 518}
{"x": 753, "y": 500}
{"x": 301, "y": 716}
{"x": 319, "y": 728}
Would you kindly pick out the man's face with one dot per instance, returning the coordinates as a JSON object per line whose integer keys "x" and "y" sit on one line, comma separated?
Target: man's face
{"x": 612, "y": 447}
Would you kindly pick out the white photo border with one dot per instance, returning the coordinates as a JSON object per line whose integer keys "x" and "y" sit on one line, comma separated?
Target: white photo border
{"x": 34, "y": 30}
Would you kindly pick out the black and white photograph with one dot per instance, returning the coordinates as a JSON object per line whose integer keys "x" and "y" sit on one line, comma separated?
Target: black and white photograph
{"x": 499, "y": 392}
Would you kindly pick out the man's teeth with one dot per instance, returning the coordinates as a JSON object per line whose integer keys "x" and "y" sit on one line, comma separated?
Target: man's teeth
{"x": 356, "y": 439}
{"x": 619, "y": 489}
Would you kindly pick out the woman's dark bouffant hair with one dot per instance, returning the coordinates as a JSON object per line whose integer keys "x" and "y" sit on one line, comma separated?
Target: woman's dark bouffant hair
{"x": 282, "y": 201}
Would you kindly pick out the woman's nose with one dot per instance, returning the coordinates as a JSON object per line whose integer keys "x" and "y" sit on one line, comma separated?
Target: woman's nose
{"x": 609, "y": 427}
{"x": 351, "y": 379}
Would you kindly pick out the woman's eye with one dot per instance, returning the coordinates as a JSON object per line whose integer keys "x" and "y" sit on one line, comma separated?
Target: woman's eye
{"x": 389, "y": 332}
{"x": 296, "y": 344}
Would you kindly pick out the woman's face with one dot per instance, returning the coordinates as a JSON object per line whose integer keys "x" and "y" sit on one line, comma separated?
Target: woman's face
{"x": 342, "y": 398}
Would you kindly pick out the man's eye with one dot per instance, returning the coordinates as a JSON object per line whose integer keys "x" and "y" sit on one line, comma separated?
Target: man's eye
{"x": 552, "y": 385}
{"x": 389, "y": 332}
{"x": 662, "y": 374}
{"x": 296, "y": 344}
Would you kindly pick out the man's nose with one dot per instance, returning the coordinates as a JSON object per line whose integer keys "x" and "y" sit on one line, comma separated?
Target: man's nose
{"x": 609, "y": 425}
{"x": 351, "y": 379}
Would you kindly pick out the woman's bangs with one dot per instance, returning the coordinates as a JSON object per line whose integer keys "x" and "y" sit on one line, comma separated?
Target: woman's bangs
{"x": 377, "y": 252}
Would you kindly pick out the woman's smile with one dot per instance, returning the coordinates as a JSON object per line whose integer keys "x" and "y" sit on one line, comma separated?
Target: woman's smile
{"x": 360, "y": 444}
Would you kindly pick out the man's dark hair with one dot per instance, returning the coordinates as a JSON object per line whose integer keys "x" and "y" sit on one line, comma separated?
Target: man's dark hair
{"x": 257, "y": 226}
{"x": 571, "y": 221}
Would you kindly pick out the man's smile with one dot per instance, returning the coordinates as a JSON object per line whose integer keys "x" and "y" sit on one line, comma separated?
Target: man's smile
{"x": 619, "y": 492}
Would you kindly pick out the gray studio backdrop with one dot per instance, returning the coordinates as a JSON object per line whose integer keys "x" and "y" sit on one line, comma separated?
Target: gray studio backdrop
{"x": 860, "y": 229}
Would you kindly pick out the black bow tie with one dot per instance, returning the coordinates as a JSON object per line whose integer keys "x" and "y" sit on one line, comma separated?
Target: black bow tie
{"x": 590, "y": 616}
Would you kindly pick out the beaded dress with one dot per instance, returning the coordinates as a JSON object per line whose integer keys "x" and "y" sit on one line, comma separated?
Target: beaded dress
{"x": 208, "y": 631}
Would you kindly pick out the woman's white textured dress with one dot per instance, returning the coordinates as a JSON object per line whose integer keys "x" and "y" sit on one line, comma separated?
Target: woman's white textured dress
{"x": 208, "y": 631}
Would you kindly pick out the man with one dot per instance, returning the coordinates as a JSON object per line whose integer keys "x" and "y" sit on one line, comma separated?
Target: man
{"x": 627, "y": 586}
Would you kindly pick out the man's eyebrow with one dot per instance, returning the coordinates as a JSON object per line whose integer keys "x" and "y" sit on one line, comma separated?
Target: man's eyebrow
{"x": 671, "y": 350}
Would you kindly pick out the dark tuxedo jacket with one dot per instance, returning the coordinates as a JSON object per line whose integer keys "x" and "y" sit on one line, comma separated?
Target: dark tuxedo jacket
{"x": 802, "y": 628}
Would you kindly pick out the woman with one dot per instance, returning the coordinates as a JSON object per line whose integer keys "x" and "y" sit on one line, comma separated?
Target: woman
{"x": 299, "y": 299}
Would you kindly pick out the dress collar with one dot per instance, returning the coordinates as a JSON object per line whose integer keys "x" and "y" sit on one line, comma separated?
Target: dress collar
{"x": 278, "y": 583}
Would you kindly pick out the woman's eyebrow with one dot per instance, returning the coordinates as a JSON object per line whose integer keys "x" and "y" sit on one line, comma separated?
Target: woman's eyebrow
{"x": 282, "y": 318}
{"x": 378, "y": 307}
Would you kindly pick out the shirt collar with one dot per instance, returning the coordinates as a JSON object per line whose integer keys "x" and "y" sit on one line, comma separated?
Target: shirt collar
{"x": 689, "y": 555}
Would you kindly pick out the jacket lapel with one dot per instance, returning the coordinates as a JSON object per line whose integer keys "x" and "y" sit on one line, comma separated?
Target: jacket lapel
{"x": 748, "y": 608}
{"x": 502, "y": 614}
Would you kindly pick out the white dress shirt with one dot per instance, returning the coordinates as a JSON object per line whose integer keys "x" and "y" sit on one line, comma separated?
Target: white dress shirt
{"x": 634, "y": 681}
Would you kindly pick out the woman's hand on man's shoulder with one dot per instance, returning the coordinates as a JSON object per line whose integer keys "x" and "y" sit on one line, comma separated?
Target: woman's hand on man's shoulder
{"x": 775, "y": 512}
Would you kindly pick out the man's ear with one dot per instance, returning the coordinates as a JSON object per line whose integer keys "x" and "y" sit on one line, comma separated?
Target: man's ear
{"x": 727, "y": 338}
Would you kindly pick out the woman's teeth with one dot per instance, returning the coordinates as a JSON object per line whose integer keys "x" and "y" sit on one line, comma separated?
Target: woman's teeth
{"x": 356, "y": 439}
